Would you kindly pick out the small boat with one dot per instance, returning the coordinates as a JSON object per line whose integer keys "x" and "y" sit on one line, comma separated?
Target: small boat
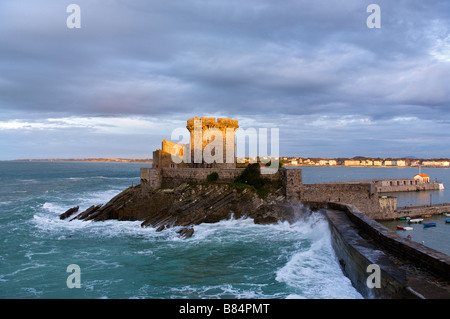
{"x": 427, "y": 216}
{"x": 404, "y": 227}
{"x": 403, "y": 218}
{"x": 447, "y": 220}
{"x": 447, "y": 214}
{"x": 417, "y": 220}
{"x": 429, "y": 225}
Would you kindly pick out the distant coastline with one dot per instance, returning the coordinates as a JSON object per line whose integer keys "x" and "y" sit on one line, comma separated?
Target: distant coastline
{"x": 108, "y": 160}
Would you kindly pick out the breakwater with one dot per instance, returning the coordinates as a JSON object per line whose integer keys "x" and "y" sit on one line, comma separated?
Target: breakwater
{"x": 407, "y": 269}
{"x": 410, "y": 188}
{"x": 419, "y": 211}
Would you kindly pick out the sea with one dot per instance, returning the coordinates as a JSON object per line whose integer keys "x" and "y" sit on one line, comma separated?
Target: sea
{"x": 231, "y": 259}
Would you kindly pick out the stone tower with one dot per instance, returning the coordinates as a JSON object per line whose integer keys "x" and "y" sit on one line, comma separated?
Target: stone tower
{"x": 212, "y": 142}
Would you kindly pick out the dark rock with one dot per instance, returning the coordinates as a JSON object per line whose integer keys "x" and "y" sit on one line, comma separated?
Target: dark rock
{"x": 264, "y": 220}
{"x": 69, "y": 212}
{"x": 191, "y": 205}
{"x": 186, "y": 232}
{"x": 87, "y": 212}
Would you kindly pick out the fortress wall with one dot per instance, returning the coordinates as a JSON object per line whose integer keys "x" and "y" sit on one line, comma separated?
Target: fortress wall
{"x": 292, "y": 180}
{"x": 388, "y": 205}
{"x": 362, "y": 195}
{"x": 152, "y": 177}
{"x": 173, "y": 177}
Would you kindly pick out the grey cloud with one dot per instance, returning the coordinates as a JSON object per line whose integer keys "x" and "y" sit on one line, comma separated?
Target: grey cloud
{"x": 255, "y": 59}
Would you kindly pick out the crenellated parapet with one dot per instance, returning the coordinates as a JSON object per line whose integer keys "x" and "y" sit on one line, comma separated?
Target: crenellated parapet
{"x": 211, "y": 122}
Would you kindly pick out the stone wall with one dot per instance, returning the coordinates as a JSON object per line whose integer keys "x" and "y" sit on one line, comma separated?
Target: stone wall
{"x": 172, "y": 177}
{"x": 151, "y": 177}
{"x": 423, "y": 256}
{"x": 408, "y": 269}
{"x": 359, "y": 194}
{"x": 292, "y": 181}
{"x": 408, "y": 188}
{"x": 355, "y": 255}
{"x": 388, "y": 205}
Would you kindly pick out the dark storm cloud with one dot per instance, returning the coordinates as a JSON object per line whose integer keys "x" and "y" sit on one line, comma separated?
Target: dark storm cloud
{"x": 259, "y": 59}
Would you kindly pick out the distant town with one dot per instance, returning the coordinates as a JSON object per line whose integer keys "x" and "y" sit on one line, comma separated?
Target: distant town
{"x": 364, "y": 162}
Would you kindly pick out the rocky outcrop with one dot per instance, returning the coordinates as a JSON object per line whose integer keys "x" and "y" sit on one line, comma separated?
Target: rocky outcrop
{"x": 189, "y": 205}
{"x": 69, "y": 212}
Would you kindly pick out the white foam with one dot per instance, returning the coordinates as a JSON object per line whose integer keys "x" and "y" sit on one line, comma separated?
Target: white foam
{"x": 85, "y": 200}
{"x": 54, "y": 208}
{"x": 51, "y": 223}
{"x": 30, "y": 254}
{"x": 101, "y": 197}
{"x": 314, "y": 272}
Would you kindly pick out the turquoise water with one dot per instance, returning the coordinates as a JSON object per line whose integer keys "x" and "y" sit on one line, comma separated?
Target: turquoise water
{"x": 434, "y": 237}
{"x": 229, "y": 259}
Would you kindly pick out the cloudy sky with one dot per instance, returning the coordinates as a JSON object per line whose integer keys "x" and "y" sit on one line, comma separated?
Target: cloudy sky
{"x": 138, "y": 69}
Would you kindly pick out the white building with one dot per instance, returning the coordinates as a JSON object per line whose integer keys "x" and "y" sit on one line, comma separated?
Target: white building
{"x": 401, "y": 163}
{"x": 422, "y": 178}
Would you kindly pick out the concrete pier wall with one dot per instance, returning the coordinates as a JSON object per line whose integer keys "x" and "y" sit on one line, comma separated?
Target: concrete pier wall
{"x": 408, "y": 269}
{"x": 409, "y": 188}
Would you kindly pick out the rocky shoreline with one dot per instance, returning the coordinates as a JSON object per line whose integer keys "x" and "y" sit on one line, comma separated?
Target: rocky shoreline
{"x": 188, "y": 205}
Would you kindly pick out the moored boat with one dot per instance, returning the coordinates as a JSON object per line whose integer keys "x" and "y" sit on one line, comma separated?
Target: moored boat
{"x": 416, "y": 220}
{"x": 429, "y": 224}
{"x": 427, "y": 216}
{"x": 404, "y": 227}
{"x": 447, "y": 220}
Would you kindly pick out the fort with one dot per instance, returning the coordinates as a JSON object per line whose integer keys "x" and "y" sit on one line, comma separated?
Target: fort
{"x": 176, "y": 163}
